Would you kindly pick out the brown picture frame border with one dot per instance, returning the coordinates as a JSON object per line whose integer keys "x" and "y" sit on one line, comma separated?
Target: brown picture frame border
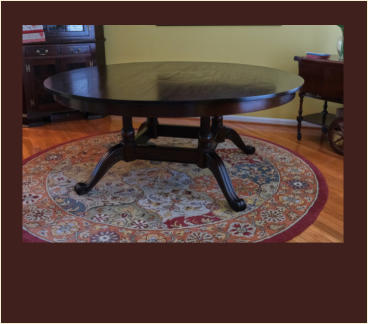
{"x": 186, "y": 283}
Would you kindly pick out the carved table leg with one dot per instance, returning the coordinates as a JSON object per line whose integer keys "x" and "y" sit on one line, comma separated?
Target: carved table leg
{"x": 204, "y": 156}
{"x": 215, "y": 164}
{"x": 223, "y": 133}
{"x": 147, "y": 130}
{"x": 112, "y": 156}
{"x": 236, "y": 139}
{"x": 209, "y": 159}
{"x": 217, "y": 124}
{"x": 206, "y": 141}
{"x": 152, "y": 124}
{"x": 142, "y": 127}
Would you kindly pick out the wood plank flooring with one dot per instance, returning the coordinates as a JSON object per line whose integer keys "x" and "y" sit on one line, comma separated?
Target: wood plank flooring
{"x": 329, "y": 226}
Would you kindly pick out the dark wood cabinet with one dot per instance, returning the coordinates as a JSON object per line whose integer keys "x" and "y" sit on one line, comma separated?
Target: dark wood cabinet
{"x": 65, "y": 48}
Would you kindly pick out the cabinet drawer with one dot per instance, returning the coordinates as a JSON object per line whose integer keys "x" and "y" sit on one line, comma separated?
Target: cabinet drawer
{"x": 41, "y": 50}
{"x": 75, "y": 49}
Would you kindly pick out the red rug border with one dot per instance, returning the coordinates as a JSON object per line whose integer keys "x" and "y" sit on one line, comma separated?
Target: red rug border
{"x": 313, "y": 212}
{"x": 287, "y": 235}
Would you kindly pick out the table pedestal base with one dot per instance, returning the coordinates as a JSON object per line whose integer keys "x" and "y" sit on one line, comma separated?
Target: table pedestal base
{"x": 137, "y": 148}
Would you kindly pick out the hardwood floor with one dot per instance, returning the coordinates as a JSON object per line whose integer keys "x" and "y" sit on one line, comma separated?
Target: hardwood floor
{"x": 329, "y": 226}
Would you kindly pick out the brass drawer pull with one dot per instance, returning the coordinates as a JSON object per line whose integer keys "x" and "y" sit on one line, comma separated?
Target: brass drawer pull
{"x": 42, "y": 53}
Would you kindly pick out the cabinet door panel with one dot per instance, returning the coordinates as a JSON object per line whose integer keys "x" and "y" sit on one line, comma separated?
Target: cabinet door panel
{"x": 36, "y": 71}
{"x": 40, "y": 73}
{"x": 77, "y": 62}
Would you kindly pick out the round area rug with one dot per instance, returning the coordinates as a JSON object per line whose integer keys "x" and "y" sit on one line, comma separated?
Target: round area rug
{"x": 147, "y": 201}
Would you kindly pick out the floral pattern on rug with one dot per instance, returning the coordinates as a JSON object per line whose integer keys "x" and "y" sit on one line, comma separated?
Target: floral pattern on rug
{"x": 146, "y": 201}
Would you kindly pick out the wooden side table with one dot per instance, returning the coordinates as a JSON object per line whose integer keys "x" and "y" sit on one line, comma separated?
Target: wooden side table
{"x": 323, "y": 79}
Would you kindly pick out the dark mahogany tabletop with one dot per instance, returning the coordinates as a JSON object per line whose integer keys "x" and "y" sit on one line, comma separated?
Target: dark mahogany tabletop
{"x": 174, "y": 88}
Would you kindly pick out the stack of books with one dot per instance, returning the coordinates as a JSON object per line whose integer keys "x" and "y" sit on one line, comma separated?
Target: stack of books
{"x": 317, "y": 55}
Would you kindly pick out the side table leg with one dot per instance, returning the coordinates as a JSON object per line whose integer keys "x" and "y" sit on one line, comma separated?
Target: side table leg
{"x": 324, "y": 117}
{"x": 300, "y": 117}
{"x": 112, "y": 156}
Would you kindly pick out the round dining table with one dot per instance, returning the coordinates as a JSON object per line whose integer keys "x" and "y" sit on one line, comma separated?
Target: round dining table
{"x": 208, "y": 90}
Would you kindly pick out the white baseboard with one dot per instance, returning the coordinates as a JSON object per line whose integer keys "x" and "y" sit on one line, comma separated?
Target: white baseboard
{"x": 271, "y": 121}
{"x": 262, "y": 120}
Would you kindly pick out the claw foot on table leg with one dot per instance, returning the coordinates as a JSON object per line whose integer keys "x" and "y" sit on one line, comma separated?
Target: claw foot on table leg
{"x": 81, "y": 188}
{"x": 215, "y": 164}
{"x": 237, "y": 140}
{"x": 112, "y": 156}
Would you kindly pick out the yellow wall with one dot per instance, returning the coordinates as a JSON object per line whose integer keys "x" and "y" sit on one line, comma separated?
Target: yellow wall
{"x": 273, "y": 46}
